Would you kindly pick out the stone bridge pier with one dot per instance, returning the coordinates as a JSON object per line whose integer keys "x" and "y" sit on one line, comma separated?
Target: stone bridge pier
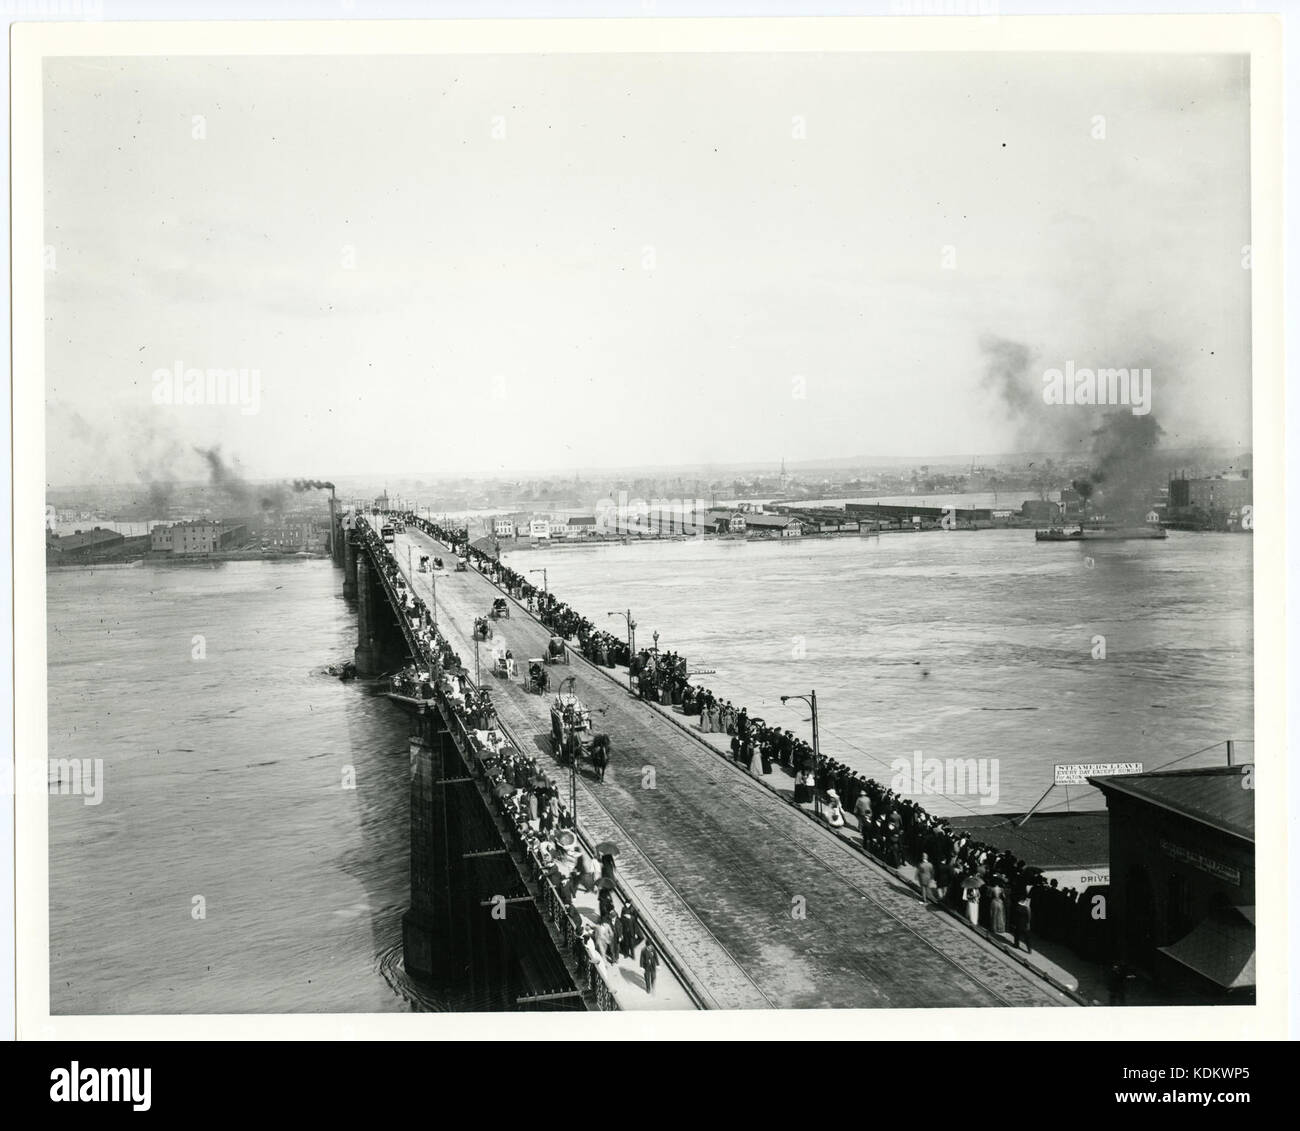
{"x": 381, "y": 645}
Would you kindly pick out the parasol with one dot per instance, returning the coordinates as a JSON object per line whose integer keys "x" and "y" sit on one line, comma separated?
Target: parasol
{"x": 607, "y": 848}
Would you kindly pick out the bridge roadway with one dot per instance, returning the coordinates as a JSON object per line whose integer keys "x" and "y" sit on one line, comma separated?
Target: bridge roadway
{"x": 764, "y": 907}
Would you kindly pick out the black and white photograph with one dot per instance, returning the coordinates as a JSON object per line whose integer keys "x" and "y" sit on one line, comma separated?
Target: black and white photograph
{"x": 562, "y": 519}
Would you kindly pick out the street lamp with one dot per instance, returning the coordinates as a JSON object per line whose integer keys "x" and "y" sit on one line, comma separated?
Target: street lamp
{"x": 545, "y": 585}
{"x": 811, "y": 700}
{"x": 631, "y": 629}
{"x": 656, "y": 640}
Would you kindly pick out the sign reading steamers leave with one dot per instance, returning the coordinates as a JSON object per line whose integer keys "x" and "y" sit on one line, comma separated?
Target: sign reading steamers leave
{"x": 1080, "y": 772}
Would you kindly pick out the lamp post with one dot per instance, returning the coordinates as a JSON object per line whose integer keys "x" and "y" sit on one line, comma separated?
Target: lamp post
{"x": 811, "y": 700}
{"x": 545, "y": 585}
{"x": 631, "y": 629}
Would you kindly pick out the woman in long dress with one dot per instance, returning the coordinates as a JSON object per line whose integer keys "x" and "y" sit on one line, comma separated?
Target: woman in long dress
{"x": 997, "y": 912}
{"x": 756, "y": 759}
{"x": 834, "y": 811}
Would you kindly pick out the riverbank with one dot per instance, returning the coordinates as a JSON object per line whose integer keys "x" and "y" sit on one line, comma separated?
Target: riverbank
{"x": 186, "y": 559}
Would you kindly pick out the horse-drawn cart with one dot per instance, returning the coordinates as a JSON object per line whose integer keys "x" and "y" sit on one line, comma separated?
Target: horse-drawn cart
{"x": 482, "y": 628}
{"x": 557, "y": 651}
{"x": 462, "y": 566}
{"x": 500, "y": 608}
{"x": 537, "y": 680}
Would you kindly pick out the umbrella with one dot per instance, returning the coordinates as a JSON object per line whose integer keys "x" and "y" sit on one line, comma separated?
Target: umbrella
{"x": 972, "y": 881}
{"x": 604, "y": 883}
{"x": 503, "y": 790}
{"x": 607, "y": 848}
{"x": 567, "y": 840}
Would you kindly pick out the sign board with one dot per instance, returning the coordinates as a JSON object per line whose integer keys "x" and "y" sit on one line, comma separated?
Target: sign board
{"x": 1200, "y": 860}
{"x": 1078, "y": 773}
{"x": 1079, "y": 878}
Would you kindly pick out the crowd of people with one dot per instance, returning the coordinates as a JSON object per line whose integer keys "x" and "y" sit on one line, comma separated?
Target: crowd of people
{"x": 528, "y": 797}
{"x": 991, "y": 887}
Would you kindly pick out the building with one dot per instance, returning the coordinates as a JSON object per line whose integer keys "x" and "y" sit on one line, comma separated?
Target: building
{"x": 295, "y": 532}
{"x": 725, "y": 521}
{"x": 1218, "y": 493}
{"x": 1221, "y": 502}
{"x": 82, "y": 544}
{"x": 583, "y": 526}
{"x": 503, "y": 527}
{"x": 1182, "y": 876}
{"x": 773, "y": 525}
{"x": 203, "y": 536}
{"x": 1040, "y": 510}
{"x": 539, "y": 528}
{"x": 895, "y": 514}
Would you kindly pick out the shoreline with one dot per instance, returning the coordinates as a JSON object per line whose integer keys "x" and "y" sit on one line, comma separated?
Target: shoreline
{"x": 187, "y": 560}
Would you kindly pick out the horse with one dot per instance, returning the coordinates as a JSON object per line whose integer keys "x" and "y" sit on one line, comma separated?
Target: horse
{"x": 600, "y": 749}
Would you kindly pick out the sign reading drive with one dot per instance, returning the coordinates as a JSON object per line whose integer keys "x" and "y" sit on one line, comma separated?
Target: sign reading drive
{"x": 1080, "y": 772}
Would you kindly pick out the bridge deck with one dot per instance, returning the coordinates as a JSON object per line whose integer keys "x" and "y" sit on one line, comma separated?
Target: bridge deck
{"x": 763, "y": 907}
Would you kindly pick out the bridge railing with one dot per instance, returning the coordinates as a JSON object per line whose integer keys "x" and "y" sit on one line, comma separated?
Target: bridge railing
{"x": 592, "y": 976}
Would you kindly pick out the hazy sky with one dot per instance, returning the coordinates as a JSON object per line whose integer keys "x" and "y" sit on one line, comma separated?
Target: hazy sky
{"x": 452, "y": 264}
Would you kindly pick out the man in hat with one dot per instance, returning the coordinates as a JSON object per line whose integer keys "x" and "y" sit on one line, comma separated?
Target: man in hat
{"x": 862, "y": 810}
{"x": 649, "y": 966}
{"x": 1020, "y": 923}
{"x": 605, "y": 901}
{"x": 629, "y": 932}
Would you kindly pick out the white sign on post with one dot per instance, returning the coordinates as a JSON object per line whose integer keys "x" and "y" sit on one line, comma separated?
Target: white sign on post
{"x": 1079, "y": 772}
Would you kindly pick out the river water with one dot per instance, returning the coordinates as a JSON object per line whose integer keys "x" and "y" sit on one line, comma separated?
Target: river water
{"x": 223, "y": 778}
{"x": 969, "y": 644}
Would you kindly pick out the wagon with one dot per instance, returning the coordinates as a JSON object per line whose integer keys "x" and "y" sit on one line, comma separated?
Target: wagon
{"x": 536, "y": 679}
{"x": 556, "y": 651}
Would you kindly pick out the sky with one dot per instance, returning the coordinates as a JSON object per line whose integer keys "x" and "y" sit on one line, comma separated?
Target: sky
{"x": 442, "y": 265}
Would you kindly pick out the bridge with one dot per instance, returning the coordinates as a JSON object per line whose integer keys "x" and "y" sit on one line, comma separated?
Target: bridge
{"x": 752, "y": 902}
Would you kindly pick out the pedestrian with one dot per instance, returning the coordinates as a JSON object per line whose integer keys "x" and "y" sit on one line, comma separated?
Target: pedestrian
{"x": 1021, "y": 919}
{"x": 649, "y": 966}
{"x": 997, "y": 911}
{"x": 862, "y": 810}
{"x": 925, "y": 877}
{"x": 629, "y": 932}
{"x": 834, "y": 812}
{"x": 605, "y": 937}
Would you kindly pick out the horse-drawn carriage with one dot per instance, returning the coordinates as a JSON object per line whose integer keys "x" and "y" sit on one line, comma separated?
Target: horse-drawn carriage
{"x": 500, "y": 608}
{"x": 482, "y": 628}
{"x": 503, "y": 664}
{"x": 572, "y": 740}
{"x": 462, "y": 566}
{"x": 536, "y": 680}
{"x": 437, "y": 563}
{"x": 557, "y": 651}
{"x": 424, "y": 563}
